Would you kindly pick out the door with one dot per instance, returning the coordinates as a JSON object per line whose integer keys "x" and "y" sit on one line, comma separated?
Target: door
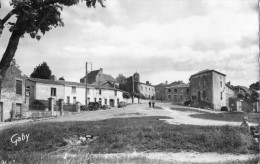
{"x": 111, "y": 102}
{"x": 18, "y": 109}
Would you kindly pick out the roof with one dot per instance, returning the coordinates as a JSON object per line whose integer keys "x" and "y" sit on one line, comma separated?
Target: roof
{"x": 45, "y": 81}
{"x": 180, "y": 86}
{"x": 229, "y": 86}
{"x": 242, "y": 87}
{"x": 74, "y": 83}
{"x": 146, "y": 84}
{"x": 206, "y": 71}
{"x": 109, "y": 78}
{"x": 92, "y": 74}
{"x": 161, "y": 84}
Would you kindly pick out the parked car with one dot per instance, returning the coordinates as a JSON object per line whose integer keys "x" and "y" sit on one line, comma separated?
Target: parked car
{"x": 121, "y": 104}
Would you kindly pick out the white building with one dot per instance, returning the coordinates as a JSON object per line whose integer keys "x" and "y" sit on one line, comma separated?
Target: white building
{"x": 72, "y": 92}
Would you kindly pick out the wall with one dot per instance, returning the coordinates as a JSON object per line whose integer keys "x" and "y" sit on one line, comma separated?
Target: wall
{"x": 177, "y": 94}
{"x": 147, "y": 90}
{"x": 229, "y": 93}
{"x": 218, "y": 102}
{"x": 9, "y": 98}
{"x": 80, "y": 94}
{"x": 43, "y": 91}
{"x": 202, "y": 85}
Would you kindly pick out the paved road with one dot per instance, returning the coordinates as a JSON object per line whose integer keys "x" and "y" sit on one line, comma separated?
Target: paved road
{"x": 140, "y": 110}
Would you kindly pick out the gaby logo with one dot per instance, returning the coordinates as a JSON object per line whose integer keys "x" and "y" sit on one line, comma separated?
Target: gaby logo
{"x": 15, "y": 139}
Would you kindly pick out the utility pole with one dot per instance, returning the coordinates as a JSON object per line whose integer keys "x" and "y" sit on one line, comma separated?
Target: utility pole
{"x": 86, "y": 92}
{"x": 259, "y": 62}
{"x": 133, "y": 89}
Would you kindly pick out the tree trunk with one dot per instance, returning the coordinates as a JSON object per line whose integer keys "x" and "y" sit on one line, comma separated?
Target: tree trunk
{"x": 9, "y": 55}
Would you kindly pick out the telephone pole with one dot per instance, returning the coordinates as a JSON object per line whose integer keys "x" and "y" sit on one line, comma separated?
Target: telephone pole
{"x": 86, "y": 92}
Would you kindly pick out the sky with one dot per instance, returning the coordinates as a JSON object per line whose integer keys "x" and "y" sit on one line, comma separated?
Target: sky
{"x": 162, "y": 40}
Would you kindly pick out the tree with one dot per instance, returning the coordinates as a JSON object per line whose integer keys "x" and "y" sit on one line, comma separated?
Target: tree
{"x": 42, "y": 71}
{"x": 121, "y": 79}
{"x": 32, "y": 17}
{"x": 254, "y": 86}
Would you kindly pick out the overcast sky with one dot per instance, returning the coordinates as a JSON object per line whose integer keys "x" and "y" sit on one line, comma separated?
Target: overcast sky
{"x": 160, "y": 39}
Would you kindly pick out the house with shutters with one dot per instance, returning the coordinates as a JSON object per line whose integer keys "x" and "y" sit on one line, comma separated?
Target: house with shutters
{"x": 72, "y": 92}
{"x": 14, "y": 96}
{"x": 178, "y": 93}
{"x": 207, "y": 89}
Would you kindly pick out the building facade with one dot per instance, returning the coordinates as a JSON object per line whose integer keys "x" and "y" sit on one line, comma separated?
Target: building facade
{"x": 72, "y": 92}
{"x": 178, "y": 93}
{"x": 13, "y": 94}
{"x": 97, "y": 76}
{"x": 147, "y": 89}
{"x": 207, "y": 89}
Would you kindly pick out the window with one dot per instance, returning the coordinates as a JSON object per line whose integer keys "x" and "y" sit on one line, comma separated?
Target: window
{"x": 73, "y": 89}
{"x": 100, "y": 92}
{"x": 53, "y": 91}
{"x": 106, "y": 101}
{"x": 68, "y": 99}
{"x": 220, "y": 83}
{"x": 95, "y": 99}
{"x": 181, "y": 97}
{"x": 221, "y": 96}
{"x": 204, "y": 84}
{"x": 175, "y": 97}
{"x": 74, "y": 100}
{"x": 100, "y": 101}
{"x": 175, "y": 90}
{"x": 204, "y": 94}
{"x": 188, "y": 90}
{"x": 169, "y": 97}
{"x": 19, "y": 87}
{"x": 193, "y": 97}
{"x": 169, "y": 90}
{"x": 88, "y": 91}
{"x": 115, "y": 93}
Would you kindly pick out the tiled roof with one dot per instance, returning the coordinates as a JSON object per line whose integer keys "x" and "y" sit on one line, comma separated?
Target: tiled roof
{"x": 145, "y": 84}
{"x": 161, "y": 84}
{"x": 45, "y": 81}
{"x": 109, "y": 78}
{"x": 75, "y": 83}
{"x": 179, "y": 86}
{"x": 206, "y": 71}
{"x": 92, "y": 74}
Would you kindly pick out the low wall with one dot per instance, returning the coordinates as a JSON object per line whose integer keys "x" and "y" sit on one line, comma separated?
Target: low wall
{"x": 39, "y": 114}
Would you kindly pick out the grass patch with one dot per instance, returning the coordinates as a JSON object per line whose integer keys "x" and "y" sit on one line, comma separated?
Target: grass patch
{"x": 229, "y": 116}
{"x": 188, "y": 110}
{"x": 119, "y": 135}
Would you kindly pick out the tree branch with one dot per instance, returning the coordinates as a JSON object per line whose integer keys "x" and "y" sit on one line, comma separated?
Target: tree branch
{"x": 8, "y": 16}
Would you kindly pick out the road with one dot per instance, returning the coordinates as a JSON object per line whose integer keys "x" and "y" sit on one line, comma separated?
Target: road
{"x": 140, "y": 110}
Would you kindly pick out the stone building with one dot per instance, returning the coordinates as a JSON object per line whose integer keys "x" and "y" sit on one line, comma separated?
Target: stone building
{"x": 13, "y": 94}
{"x": 177, "y": 93}
{"x": 207, "y": 89}
{"x": 147, "y": 89}
{"x": 97, "y": 76}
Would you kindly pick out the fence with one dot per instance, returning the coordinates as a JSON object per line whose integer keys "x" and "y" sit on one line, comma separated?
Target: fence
{"x": 39, "y": 107}
{"x": 69, "y": 107}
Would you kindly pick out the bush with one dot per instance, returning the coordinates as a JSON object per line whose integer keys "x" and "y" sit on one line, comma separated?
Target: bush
{"x": 224, "y": 108}
{"x": 92, "y": 106}
{"x": 121, "y": 104}
{"x": 187, "y": 102}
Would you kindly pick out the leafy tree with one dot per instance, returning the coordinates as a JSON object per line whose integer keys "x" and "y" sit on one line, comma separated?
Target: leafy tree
{"x": 42, "y": 71}
{"x": 121, "y": 79}
{"x": 32, "y": 17}
{"x": 254, "y": 86}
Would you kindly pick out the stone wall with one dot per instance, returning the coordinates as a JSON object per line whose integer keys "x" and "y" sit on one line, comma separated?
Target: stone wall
{"x": 10, "y": 100}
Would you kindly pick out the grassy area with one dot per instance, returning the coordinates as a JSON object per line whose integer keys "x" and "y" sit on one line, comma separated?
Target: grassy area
{"x": 126, "y": 135}
{"x": 188, "y": 110}
{"x": 229, "y": 116}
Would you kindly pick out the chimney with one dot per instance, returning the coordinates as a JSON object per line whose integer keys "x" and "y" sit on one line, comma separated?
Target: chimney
{"x": 53, "y": 78}
{"x": 166, "y": 82}
{"x": 229, "y": 83}
{"x": 147, "y": 82}
{"x": 101, "y": 70}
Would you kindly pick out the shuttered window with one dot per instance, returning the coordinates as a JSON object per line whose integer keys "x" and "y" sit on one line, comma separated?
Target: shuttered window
{"x": 19, "y": 87}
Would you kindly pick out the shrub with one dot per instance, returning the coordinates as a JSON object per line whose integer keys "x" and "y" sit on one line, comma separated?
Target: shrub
{"x": 224, "y": 108}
